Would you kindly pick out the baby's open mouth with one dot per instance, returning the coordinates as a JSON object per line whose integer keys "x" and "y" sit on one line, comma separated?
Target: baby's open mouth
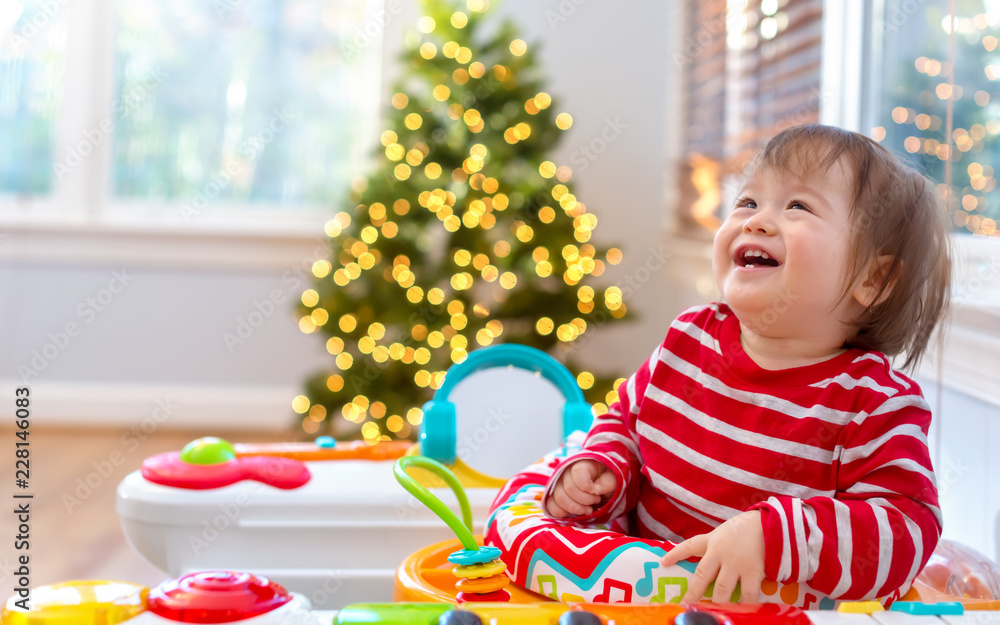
{"x": 755, "y": 258}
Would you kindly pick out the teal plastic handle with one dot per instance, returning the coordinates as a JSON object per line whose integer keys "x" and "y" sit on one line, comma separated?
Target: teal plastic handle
{"x": 437, "y": 433}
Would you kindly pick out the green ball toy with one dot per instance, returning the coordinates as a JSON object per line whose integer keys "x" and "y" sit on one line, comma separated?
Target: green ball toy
{"x": 208, "y": 450}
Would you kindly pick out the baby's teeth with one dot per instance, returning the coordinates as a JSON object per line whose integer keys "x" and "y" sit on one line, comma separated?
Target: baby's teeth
{"x": 764, "y": 255}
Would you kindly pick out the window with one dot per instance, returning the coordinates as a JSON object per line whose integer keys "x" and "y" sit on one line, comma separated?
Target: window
{"x": 753, "y": 69}
{"x": 185, "y": 108}
{"x": 915, "y": 97}
{"x": 32, "y": 65}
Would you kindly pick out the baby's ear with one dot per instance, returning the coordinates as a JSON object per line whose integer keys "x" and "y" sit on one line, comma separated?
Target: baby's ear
{"x": 876, "y": 283}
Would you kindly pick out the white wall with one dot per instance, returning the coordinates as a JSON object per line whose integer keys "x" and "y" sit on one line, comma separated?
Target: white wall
{"x": 162, "y": 337}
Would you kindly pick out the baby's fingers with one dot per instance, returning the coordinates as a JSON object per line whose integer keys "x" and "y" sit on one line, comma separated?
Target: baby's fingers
{"x": 698, "y": 583}
{"x": 561, "y": 504}
{"x": 750, "y": 588}
{"x": 725, "y": 583}
{"x": 692, "y": 547}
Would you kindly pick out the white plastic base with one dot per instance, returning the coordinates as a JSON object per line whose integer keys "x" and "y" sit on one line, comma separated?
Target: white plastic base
{"x": 336, "y": 540}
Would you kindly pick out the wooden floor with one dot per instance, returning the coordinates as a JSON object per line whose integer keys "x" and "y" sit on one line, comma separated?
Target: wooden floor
{"x": 75, "y": 533}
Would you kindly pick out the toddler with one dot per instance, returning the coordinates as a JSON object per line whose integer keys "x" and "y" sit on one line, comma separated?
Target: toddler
{"x": 770, "y": 435}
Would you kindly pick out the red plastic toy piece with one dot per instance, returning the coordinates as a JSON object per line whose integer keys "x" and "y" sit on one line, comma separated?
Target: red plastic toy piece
{"x": 753, "y": 614}
{"x": 216, "y": 597}
{"x": 169, "y": 470}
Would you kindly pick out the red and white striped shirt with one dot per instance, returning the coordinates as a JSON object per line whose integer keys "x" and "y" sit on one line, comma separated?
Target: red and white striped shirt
{"x": 833, "y": 454}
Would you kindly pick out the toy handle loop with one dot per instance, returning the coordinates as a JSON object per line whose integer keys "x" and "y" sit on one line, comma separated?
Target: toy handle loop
{"x": 463, "y": 528}
{"x": 438, "y": 437}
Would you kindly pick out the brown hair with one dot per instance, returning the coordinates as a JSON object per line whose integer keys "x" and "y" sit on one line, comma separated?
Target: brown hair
{"x": 894, "y": 213}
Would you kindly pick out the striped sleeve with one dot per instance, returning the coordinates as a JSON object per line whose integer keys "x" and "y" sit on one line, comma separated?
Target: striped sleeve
{"x": 612, "y": 440}
{"x": 875, "y": 535}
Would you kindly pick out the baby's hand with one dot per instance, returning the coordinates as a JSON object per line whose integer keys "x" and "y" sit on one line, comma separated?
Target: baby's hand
{"x": 732, "y": 552}
{"x": 580, "y": 488}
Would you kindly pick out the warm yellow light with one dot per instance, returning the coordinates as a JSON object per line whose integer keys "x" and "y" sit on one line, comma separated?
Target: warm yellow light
{"x": 612, "y": 296}
{"x": 414, "y": 416}
{"x": 490, "y": 273}
{"x": 543, "y": 269}
{"x": 366, "y": 345}
{"x": 585, "y": 380}
{"x": 348, "y": 323}
{"x": 300, "y": 404}
{"x": 335, "y": 382}
{"x": 455, "y": 307}
{"x": 307, "y": 325}
{"x": 413, "y": 121}
{"x": 335, "y": 345}
{"x": 370, "y": 430}
{"x": 310, "y": 297}
{"x": 388, "y": 138}
{"x": 508, "y": 280}
{"x": 426, "y": 24}
{"x": 471, "y": 117}
{"x": 435, "y": 296}
{"x": 543, "y": 100}
{"x": 414, "y": 157}
{"x": 320, "y": 316}
{"x": 461, "y": 281}
{"x": 394, "y": 423}
{"x": 344, "y": 361}
{"x": 614, "y": 256}
{"x": 546, "y": 214}
{"x": 501, "y": 249}
{"x": 566, "y": 333}
{"x": 321, "y": 268}
{"x": 564, "y": 121}
{"x": 422, "y": 355}
{"x": 547, "y": 169}
{"x": 518, "y": 47}
{"x": 459, "y": 19}
{"x": 484, "y": 337}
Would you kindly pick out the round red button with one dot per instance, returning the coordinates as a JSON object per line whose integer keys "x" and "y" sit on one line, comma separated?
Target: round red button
{"x": 216, "y": 597}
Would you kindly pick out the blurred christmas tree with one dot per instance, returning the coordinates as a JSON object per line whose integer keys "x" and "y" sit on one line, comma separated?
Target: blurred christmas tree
{"x": 464, "y": 235}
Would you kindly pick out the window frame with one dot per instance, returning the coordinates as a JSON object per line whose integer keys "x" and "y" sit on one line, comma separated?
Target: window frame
{"x": 969, "y": 347}
{"x": 80, "y": 222}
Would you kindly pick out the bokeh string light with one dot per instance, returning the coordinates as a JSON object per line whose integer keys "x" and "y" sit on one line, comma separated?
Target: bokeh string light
{"x": 942, "y": 110}
{"x": 466, "y": 234}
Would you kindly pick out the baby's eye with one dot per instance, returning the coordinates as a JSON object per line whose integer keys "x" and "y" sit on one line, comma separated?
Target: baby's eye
{"x": 798, "y": 206}
{"x": 747, "y": 203}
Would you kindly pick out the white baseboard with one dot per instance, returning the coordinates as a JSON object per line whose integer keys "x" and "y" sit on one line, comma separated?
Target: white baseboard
{"x": 176, "y": 407}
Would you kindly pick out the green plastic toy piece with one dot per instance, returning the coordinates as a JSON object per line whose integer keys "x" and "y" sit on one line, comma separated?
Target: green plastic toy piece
{"x": 392, "y": 613}
{"x": 208, "y": 450}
